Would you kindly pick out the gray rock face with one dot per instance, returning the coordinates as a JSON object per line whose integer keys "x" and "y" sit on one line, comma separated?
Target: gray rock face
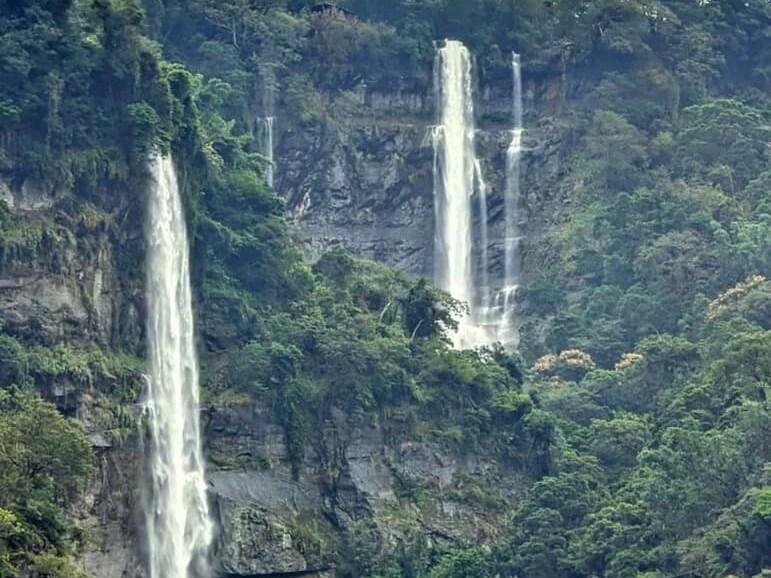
{"x": 255, "y": 541}
{"x": 366, "y": 189}
{"x": 60, "y": 305}
{"x": 270, "y": 524}
{"x": 35, "y": 196}
{"x": 52, "y": 301}
{"x": 110, "y": 515}
{"x": 28, "y": 195}
{"x": 78, "y": 296}
{"x": 351, "y": 476}
{"x": 365, "y": 184}
{"x": 6, "y": 195}
{"x": 73, "y": 288}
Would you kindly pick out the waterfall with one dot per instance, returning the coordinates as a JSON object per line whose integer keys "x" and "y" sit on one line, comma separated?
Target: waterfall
{"x": 266, "y": 138}
{"x": 457, "y": 177}
{"x": 455, "y": 169}
{"x": 179, "y": 529}
{"x": 266, "y": 102}
{"x": 507, "y": 329}
{"x": 484, "y": 241}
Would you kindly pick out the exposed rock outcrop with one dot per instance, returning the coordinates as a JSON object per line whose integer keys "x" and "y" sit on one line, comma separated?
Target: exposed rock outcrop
{"x": 352, "y": 478}
{"x": 365, "y": 183}
{"x": 366, "y": 189}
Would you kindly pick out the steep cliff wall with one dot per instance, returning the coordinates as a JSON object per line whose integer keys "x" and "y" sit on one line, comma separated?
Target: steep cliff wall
{"x": 363, "y": 180}
{"x": 357, "y": 489}
{"x": 69, "y": 273}
{"x": 342, "y": 430}
{"x": 73, "y": 283}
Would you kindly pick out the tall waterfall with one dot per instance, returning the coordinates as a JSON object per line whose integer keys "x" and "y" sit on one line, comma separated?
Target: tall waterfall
{"x": 507, "y": 327}
{"x": 457, "y": 178}
{"x": 179, "y": 529}
{"x": 266, "y": 137}
{"x": 455, "y": 169}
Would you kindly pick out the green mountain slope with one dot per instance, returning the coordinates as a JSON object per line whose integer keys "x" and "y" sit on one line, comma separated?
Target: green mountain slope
{"x": 635, "y": 419}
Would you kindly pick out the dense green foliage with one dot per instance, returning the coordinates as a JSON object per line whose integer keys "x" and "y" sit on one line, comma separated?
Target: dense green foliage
{"x": 643, "y": 422}
{"x": 364, "y": 340}
{"x": 45, "y": 461}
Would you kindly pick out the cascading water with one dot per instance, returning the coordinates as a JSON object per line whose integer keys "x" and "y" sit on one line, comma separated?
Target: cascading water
{"x": 179, "y": 528}
{"x": 455, "y": 169}
{"x": 508, "y": 332}
{"x": 457, "y": 176}
{"x": 484, "y": 241}
{"x": 266, "y": 137}
{"x": 266, "y": 102}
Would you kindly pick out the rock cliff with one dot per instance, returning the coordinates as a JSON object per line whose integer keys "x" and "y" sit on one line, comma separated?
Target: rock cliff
{"x": 364, "y": 182}
{"x": 354, "y": 482}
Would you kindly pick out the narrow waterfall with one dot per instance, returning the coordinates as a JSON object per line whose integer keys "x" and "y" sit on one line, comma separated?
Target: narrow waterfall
{"x": 455, "y": 169}
{"x": 507, "y": 328}
{"x": 265, "y": 101}
{"x": 484, "y": 242}
{"x": 179, "y": 528}
{"x": 266, "y": 138}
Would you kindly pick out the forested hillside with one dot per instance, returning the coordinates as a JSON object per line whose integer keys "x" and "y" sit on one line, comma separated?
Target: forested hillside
{"x": 630, "y": 435}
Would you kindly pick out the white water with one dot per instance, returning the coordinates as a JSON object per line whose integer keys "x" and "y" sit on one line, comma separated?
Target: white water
{"x": 179, "y": 528}
{"x": 266, "y": 102}
{"x": 457, "y": 177}
{"x": 484, "y": 241}
{"x": 508, "y": 332}
{"x": 455, "y": 169}
{"x": 266, "y": 129}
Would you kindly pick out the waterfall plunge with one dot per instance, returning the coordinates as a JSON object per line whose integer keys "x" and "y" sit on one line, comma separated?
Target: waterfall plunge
{"x": 179, "y": 528}
{"x": 455, "y": 171}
